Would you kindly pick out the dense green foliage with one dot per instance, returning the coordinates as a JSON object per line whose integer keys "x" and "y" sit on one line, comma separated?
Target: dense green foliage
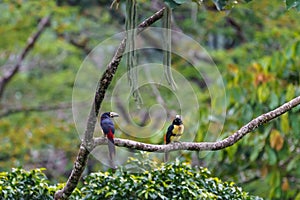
{"x": 22, "y": 184}
{"x": 256, "y": 47}
{"x": 146, "y": 179}
{"x": 139, "y": 179}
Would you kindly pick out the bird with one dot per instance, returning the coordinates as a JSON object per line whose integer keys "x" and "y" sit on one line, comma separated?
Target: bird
{"x": 108, "y": 129}
{"x": 174, "y": 132}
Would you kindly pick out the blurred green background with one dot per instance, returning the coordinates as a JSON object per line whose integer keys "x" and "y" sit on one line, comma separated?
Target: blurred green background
{"x": 256, "y": 47}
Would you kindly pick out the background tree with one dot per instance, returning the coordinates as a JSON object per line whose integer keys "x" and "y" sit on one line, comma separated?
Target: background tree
{"x": 253, "y": 37}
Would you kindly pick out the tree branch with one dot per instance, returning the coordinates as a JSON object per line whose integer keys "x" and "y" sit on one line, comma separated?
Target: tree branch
{"x": 40, "y": 108}
{"x": 73, "y": 180}
{"x": 88, "y": 140}
{"x": 206, "y": 146}
{"x": 30, "y": 44}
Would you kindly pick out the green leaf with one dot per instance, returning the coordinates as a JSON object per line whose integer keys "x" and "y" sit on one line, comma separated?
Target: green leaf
{"x": 274, "y": 101}
{"x": 247, "y": 113}
{"x": 256, "y": 151}
{"x": 298, "y": 196}
{"x": 220, "y": 4}
{"x": 180, "y": 1}
{"x": 284, "y": 123}
{"x": 295, "y": 126}
{"x": 171, "y": 3}
{"x": 198, "y": 2}
{"x": 272, "y": 159}
{"x": 290, "y": 52}
{"x": 232, "y": 151}
{"x": 275, "y": 178}
{"x": 290, "y": 92}
{"x": 263, "y": 93}
{"x": 297, "y": 48}
{"x": 293, "y": 164}
{"x": 292, "y": 3}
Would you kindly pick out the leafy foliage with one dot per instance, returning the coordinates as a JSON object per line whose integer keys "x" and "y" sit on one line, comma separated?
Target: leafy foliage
{"x": 21, "y": 184}
{"x": 139, "y": 179}
{"x": 293, "y": 4}
{"x": 33, "y": 184}
{"x": 146, "y": 179}
{"x": 256, "y": 47}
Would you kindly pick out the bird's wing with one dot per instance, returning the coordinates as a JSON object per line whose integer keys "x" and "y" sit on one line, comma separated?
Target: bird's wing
{"x": 169, "y": 134}
{"x": 107, "y": 125}
{"x": 170, "y": 128}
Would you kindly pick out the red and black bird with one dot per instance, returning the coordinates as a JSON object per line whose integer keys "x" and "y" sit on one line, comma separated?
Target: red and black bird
{"x": 108, "y": 128}
{"x": 174, "y": 132}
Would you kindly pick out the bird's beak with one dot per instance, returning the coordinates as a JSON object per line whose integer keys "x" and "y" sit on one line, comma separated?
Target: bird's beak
{"x": 113, "y": 114}
{"x": 178, "y": 116}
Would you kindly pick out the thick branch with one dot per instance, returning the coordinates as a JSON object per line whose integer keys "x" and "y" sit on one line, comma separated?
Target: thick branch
{"x": 40, "y": 108}
{"x": 30, "y": 44}
{"x": 78, "y": 168}
{"x": 207, "y": 146}
{"x": 88, "y": 141}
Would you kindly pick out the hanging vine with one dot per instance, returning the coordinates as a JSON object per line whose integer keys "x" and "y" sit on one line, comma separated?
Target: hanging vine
{"x": 131, "y": 57}
{"x": 167, "y": 41}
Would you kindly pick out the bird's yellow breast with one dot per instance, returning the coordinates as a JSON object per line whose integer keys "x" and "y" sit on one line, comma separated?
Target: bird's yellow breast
{"x": 177, "y": 130}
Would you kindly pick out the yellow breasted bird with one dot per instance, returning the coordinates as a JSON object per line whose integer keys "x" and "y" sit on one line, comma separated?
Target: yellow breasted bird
{"x": 174, "y": 132}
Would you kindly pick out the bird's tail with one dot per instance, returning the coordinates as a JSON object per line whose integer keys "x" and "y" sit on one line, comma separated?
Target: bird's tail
{"x": 111, "y": 149}
{"x": 166, "y": 156}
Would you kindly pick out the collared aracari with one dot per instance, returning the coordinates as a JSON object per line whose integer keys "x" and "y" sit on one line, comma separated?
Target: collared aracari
{"x": 174, "y": 132}
{"x": 108, "y": 128}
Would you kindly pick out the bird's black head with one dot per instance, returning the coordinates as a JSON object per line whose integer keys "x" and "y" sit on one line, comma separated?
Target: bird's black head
{"x": 177, "y": 120}
{"x": 109, "y": 115}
